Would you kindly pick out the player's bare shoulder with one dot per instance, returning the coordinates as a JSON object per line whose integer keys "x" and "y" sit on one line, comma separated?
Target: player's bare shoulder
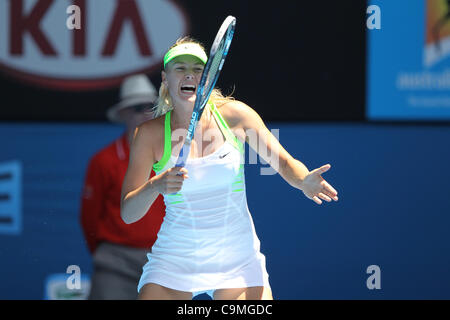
{"x": 147, "y": 130}
{"x": 150, "y": 134}
{"x": 236, "y": 113}
{"x": 232, "y": 112}
{"x": 152, "y": 125}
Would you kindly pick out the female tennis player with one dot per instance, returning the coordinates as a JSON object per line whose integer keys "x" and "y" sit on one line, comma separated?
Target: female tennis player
{"x": 207, "y": 240}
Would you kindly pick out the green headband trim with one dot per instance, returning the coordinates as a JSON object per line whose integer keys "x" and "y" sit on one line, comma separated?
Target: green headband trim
{"x": 191, "y": 49}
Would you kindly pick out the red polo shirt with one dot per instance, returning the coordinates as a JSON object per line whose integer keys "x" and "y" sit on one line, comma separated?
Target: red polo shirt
{"x": 100, "y": 206}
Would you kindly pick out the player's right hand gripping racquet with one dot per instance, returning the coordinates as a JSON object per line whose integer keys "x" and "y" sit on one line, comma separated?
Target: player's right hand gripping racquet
{"x": 209, "y": 78}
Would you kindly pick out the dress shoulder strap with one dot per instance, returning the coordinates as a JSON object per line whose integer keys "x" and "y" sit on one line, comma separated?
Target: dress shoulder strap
{"x": 158, "y": 166}
{"x": 229, "y": 135}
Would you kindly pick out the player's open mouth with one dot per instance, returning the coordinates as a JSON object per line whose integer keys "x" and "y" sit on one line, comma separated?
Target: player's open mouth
{"x": 189, "y": 89}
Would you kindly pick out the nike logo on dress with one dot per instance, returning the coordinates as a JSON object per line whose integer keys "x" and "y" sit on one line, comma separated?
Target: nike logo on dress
{"x": 224, "y": 155}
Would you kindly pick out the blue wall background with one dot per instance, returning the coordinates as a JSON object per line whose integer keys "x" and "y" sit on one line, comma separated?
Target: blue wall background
{"x": 394, "y": 210}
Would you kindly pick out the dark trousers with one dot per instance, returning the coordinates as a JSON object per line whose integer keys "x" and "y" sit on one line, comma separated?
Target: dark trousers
{"x": 117, "y": 270}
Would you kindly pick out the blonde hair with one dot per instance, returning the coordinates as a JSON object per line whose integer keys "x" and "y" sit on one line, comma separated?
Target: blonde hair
{"x": 164, "y": 102}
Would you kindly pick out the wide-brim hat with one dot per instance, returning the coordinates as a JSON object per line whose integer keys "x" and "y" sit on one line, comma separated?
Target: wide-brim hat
{"x": 135, "y": 90}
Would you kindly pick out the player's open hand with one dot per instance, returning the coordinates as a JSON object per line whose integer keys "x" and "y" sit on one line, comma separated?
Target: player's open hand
{"x": 316, "y": 188}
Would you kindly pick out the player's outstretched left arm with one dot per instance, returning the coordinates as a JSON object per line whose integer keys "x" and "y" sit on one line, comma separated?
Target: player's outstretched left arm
{"x": 244, "y": 119}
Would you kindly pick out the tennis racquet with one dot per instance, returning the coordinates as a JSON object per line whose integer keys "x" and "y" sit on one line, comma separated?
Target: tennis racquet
{"x": 209, "y": 78}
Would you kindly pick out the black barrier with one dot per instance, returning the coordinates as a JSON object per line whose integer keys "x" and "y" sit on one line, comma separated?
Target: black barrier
{"x": 291, "y": 60}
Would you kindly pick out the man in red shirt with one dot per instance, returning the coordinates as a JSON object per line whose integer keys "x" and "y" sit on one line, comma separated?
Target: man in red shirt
{"x": 119, "y": 250}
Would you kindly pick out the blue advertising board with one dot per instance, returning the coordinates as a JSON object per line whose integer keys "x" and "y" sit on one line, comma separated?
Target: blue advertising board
{"x": 392, "y": 214}
{"x": 408, "y": 62}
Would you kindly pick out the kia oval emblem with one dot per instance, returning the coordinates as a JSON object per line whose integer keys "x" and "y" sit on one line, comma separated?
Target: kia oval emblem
{"x": 117, "y": 38}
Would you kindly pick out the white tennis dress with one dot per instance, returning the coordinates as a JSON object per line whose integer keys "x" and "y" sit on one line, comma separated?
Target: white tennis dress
{"x": 207, "y": 240}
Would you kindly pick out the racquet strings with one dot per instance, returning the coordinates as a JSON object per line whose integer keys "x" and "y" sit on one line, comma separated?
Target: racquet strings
{"x": 214, "y": 69}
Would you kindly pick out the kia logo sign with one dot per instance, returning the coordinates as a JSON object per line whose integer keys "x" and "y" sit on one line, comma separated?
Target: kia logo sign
{"x": 117, "y": 38}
